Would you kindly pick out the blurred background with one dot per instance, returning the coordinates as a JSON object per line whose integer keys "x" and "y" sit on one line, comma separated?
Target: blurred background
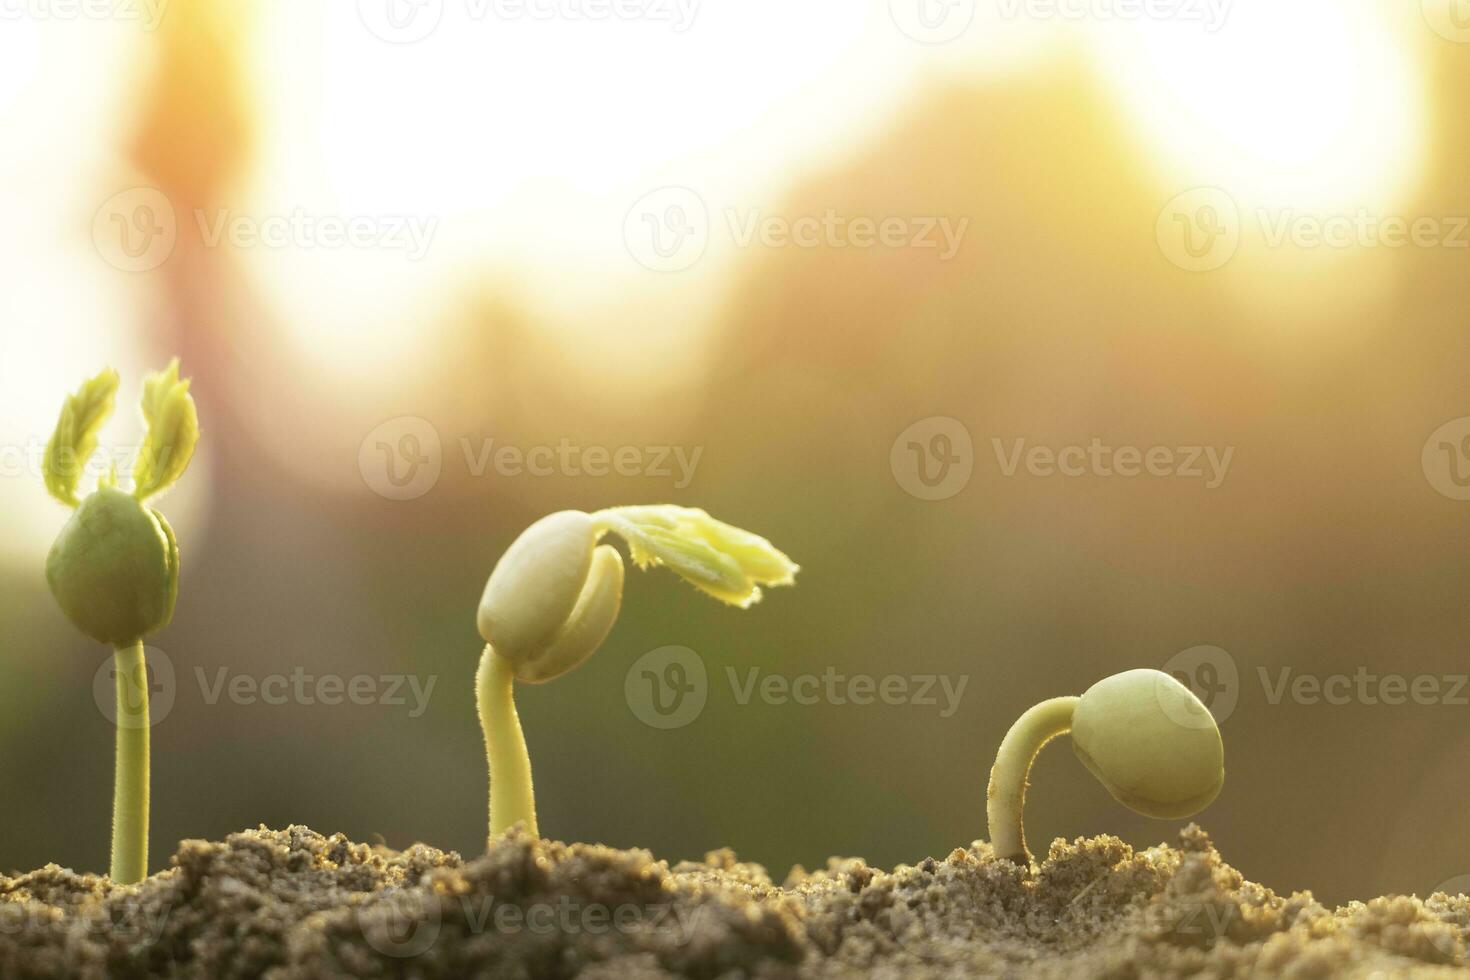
{"x": 841, "y": 273}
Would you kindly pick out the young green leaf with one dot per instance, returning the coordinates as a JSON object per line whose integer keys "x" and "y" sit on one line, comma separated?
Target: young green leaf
{"x": 721, "y": 560}
{"x": 173, "y": 432}
{"x": 75, "y": 437}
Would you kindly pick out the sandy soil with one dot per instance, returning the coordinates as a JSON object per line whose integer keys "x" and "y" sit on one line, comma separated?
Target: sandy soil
{"x": 292, "y": 903}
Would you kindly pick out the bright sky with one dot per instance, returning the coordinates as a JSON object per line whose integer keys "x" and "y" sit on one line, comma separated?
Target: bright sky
{"x": 520, "y": 145}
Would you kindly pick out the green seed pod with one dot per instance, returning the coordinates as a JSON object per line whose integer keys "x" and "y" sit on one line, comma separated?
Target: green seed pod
{"x": 114, "y": 569}
{"x": 1151, "y": 742}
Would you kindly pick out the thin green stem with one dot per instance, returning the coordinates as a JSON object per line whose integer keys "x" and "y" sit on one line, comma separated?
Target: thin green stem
{"x": 512, "y": 798}
{"x": 1006, "y": 796}
{"x": 130, "y": 788}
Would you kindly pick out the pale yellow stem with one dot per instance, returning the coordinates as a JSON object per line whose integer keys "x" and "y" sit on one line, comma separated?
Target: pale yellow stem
{"x": 1006, "y": 796}
{"x": 512, "y": 798}
{"x": 130, "y": 777}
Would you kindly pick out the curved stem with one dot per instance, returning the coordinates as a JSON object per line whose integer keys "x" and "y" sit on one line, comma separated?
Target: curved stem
{"x": 1006, "y": 796}
{"x": 130, "y": 786}
{"x": 512, "y": 798}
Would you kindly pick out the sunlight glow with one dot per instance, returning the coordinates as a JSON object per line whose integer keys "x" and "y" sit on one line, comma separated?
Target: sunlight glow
{"x": 529, "y": 140}
{"x": 1301, "y": 103}
{"x": 524, "y": 194}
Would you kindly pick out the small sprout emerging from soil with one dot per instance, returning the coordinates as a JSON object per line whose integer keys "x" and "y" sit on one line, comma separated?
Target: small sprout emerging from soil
{"x": 114, "y": 569}
{"x": 1144, "y": 735}
{"x": 555, "y": 594}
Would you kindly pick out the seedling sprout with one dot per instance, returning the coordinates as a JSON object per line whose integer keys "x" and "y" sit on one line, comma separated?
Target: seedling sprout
{"x": 114, "y": 569}
{"x": 1143, "y": 734}
{"x": 555, "y": 594}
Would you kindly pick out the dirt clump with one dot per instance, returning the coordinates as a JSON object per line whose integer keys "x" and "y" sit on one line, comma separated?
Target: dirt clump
{"x": 295, "y": 904}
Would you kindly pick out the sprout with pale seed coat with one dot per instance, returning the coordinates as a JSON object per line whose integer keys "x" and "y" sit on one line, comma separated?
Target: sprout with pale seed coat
{"x": 1144, "y": 735}
{"x": 555, "y": 594}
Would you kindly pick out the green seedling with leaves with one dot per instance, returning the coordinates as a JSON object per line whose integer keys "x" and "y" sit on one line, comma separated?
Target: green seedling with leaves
{"x": 1144, "y": 735}
{"x": 555, "y": 594}
{"x": 114, "y": 569}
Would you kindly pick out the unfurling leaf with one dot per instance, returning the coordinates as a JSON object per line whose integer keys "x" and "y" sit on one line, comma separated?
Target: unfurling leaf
{"x": 173, "y": 432}
{"x": 723, "y": 561}
{"x": 75, "y": 437}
